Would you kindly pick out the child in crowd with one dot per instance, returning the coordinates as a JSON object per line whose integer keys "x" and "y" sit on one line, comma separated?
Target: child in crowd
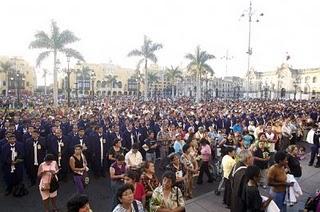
{"x": 301, "y": 153}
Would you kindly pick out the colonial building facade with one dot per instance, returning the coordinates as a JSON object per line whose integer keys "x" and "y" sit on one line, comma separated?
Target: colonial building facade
{"x": 103, "y": 79}
{"x": 20, "y": 78}
{"x": 284, "y": 83}
{"x": 109, "y": 80}
{"x": 212, "y": 87}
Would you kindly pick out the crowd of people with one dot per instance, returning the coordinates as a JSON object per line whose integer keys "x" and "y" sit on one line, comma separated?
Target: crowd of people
{"x": 127, "y": 140}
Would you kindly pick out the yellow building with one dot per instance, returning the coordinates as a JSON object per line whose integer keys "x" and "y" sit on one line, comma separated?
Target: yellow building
{"x": 107, "y": 79}
{"x": 21, "y": 77}
{"x": 159, "y": 85}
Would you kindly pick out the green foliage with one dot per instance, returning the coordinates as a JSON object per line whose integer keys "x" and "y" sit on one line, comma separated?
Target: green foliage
{"x": 112, "y": 80}
{"x": 198, "y": 62}
{"x": 153, "y": 77}
{"x": 147, "y": 50}
{"x": 173, "y": 73}
{"x": 6, "y": 67}
{"x": 146, "y": 53}
{"x": 55, "y": 42}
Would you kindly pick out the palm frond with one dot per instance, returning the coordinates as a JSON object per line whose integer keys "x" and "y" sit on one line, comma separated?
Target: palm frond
{"x": 208, "y": 69}
{"x": 205, "y": 57}
{"x": 173, "y": 73}
{"x": 55, "y": 32}
{"x": 42, "y": 41}
{"x": 152, "y": 57}
{"x": 198, "y": 62}
{"x": 146, "y": 45}
{"x": 72, "y": 53}
{"x": 155, "y": 46}
{"x": 41, "y": 57}
{"x": 190, "y": 56}
{"x": 139, "y": 64}
{"x": 67, "y": 37}
{"x": 147, "y": 52}
{"x": 6, "y": 67}
{"x": 152, "y": 77}
{"x": 135, "y": 52}
{"x": 192, "y": 65}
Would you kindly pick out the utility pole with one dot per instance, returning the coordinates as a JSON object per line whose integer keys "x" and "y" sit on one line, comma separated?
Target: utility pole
{"x": 77, "y": 96}
{"x": 18, "y": 86}
{"x": 227, "y": 58}
{"x": 68, "y": 75}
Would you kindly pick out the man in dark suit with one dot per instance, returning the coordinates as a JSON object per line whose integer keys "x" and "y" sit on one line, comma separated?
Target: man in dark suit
{"x": 3, "y": 129}
{"x": 12, "y": 156}
{"x": 27, "y": 134}
{"x": 129, "y": 137}
{"x": 100, "y": 148}
{"x": 35, "y": 151}
{"x": 58, "y": 145}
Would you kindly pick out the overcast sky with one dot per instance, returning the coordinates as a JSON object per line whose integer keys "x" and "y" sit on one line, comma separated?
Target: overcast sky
{"x": 109, "y": 29}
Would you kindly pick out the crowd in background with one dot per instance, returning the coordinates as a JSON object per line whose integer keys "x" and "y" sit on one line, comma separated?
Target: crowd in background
{"x": 153, "y": 152}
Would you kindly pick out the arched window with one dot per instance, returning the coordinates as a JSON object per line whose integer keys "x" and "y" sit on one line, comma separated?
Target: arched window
{"x": 98, "y": 84}
{"x": 119, "y": 84}
{"x": 305, "y": 90}
{"x": 313, "y": 92}
{"x": 306, "y": 79}
{"x": 103, "y": 84}
{"x": 314, "y": 79}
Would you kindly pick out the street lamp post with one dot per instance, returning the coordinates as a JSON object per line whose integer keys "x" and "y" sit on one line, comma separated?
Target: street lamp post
{"x": 19, "y": 79}
{"x": 250, "y": 15}
{"x": 18, "y": 87}
{"x": 68, "y": 79}
{"x": 77, "y": 96}
{"x": 93, "y": 77}
{"x": 295, "y": 85}
{"x": 79, "y": 71}
{"x": 227, "y": 58}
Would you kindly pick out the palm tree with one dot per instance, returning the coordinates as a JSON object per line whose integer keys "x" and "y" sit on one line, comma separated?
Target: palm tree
{"x": 152, "y": 78}
{"x": 199, "y": 66}
{"x": 6, "y": 68}
{"x": 147, "y": 52}
{"x": 112, "y": 80}
{"x": 45, "y": 73}
{"x": 207, "y": 73}
{"x": 55, "y": 43}
{"x": 173, "y": 73}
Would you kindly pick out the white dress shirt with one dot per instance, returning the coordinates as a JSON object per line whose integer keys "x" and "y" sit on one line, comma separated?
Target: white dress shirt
{"x": 133, "y": 159}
